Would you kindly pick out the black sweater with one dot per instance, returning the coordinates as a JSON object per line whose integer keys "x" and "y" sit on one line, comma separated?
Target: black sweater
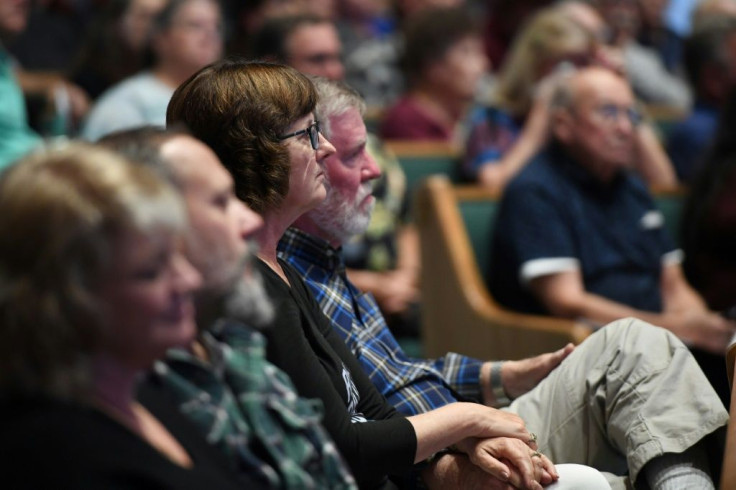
{"x": 50, "y": 444}
{"x": 302, "y": 343}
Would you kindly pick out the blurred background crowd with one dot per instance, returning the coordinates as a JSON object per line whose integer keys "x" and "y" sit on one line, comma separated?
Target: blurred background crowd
{"x": 477, "y": 75}
{"x": 71, "y": 56}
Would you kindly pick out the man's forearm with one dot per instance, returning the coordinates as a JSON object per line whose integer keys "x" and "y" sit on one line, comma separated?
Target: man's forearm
{"x": 677, "y": 294}
{"x": 599, "y": 311}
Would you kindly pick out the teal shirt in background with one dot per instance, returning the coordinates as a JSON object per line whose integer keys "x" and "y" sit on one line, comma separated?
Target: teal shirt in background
{"x": 16, "y": 136}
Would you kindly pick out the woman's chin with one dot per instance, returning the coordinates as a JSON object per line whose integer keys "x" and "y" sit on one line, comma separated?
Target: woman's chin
{"x": 179, "y": 335}
{"x": 319, "y": 196}
{"x": 186, "y": 333}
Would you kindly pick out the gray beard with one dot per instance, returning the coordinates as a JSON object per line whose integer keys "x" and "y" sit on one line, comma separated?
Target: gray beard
{"x": 341, "y": 219}
{"x": 249, "y": 303}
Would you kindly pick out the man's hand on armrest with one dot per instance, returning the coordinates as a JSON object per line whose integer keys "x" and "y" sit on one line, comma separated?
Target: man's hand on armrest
{"x": 519, "y": 377}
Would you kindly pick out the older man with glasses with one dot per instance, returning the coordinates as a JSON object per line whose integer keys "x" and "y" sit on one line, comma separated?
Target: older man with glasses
{"x": 579, "y": 236}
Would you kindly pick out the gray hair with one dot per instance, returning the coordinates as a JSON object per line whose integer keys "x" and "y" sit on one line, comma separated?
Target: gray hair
{"x": 334, "y": 99}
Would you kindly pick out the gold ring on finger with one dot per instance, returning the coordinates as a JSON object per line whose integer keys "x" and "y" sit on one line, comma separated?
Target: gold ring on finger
{"x": 537, "y": 454}
{"x": 532, "y": 437}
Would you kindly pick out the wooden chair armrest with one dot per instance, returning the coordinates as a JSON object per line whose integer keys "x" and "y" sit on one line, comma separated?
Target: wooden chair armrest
{"x": 458, "y": 313}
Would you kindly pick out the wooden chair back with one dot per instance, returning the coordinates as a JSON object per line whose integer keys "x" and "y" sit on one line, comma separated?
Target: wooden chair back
{"x": 458, "y": 312}
{"x": 420, "y": 159}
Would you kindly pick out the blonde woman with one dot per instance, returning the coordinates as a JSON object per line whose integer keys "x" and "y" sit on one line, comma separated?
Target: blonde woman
{"x": 506, "y": 135}
{"x": 93, "y": 289}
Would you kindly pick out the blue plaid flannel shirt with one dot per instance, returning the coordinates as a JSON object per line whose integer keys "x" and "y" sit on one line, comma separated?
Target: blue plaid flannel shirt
{"x": 413, "y": 386}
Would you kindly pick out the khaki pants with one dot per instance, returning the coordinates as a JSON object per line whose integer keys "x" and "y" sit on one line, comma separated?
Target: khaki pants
{"x": 629, "y": 393}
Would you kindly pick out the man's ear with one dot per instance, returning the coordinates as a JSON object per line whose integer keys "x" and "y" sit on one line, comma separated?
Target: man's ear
{"x": 561, "y": 125}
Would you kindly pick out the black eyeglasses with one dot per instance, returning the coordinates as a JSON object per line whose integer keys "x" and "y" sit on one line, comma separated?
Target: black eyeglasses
{"x": 313, "y": 132}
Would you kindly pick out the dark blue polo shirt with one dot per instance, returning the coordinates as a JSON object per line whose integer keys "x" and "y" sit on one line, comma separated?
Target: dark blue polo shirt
{"x": 555, "y": 216}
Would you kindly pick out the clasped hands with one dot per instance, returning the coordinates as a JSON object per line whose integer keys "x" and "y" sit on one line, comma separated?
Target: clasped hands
{"x": 510, "y": 460}
{"x": 506, "y": 451}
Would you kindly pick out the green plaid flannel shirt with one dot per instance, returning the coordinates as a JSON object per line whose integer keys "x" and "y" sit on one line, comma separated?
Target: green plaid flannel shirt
{"x": 249, "y": 409}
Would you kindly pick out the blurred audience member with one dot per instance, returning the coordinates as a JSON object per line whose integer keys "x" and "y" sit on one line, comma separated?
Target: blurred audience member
{"x": 187, "y": 35}
{"x": 306, "y": 42}
{"x": 243, "y": 404}
{"x": 560, "y": 225}
{"x": 654, "y": 165}
{"x": 368, "y": 30}
{"x": 579, "y": 236}
{"x": 710, "y": 59}
{"x": 647, "y": 74}
{"x": 355, "y": 41}
{"x": 43, "y": 52}
{"x": 16, "y": 136}
{"x": 678, "y": 15}
{"x": 708, "y": 11}
{"x": 54, "y": 35}
{"x": 115, "y": 47}
{"x": 95, "y": 289}
{"x": 372, "y": 62}
{"x": 246, "y": 18}
{"x": 655, "y": 34}
{"x": 504, "y": 21}
{"x": 443, "y": 62}
{"x": 505, "y": 136}
{"x": 709, "y": 218}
